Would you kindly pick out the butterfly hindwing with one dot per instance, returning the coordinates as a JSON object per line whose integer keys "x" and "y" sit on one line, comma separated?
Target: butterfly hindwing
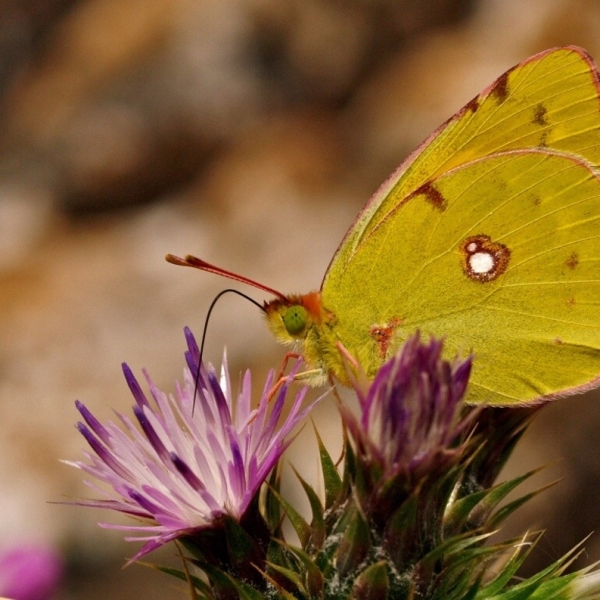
{"x": 501, "y": 256}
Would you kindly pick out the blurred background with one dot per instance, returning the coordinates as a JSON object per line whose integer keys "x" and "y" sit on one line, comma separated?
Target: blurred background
{"x": 247, "y": 132}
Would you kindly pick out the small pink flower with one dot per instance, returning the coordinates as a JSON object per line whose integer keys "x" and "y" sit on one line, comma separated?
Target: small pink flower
{"x": 29, "y": 572}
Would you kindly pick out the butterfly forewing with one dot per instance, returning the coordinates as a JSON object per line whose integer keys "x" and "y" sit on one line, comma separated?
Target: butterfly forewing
{"x": 550, "y": 101}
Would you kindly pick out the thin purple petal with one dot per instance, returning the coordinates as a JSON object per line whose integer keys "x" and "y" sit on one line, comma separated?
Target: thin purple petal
{"x": 187, "y": 473}
{"x": 152, "y": 436}
{"x": 134, "y": 386}
{"x": 102, "y": 452}
{"x": 93, "y": 423}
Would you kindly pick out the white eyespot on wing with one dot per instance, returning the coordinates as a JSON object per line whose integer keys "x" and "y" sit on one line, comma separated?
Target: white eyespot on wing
{"x": 482, "y": 259}
{"x": 481, "y": 263}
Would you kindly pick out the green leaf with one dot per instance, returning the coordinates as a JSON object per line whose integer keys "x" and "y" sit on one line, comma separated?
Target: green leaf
{"x": 504, "y": 512}
{"x": 317, "y": 525}
{"x": 548, "y": 584}
{"x": 240, "y": 545}
{"x": 272, "y": 512}
{"x": 350, "y": 462}
{"x": 373, "y": 583}
{"x": 402, "y": 533}
{"x": 454, "y": 547}
{"x": 292, "y": 576}
{"x": 473, "y": 510}
{"x": 354, "y": 544}
{"x": 227, "y": 586}
{"x": 497, "y": 493}
{"x": 201, "y": 586}
{"x": 314, "y": 577}
{"x": 505, "y": 574}
{"x": 298, "y": 522}
{"x": 331, "y": 478}
{"x": 458, "y": 513}
{"x": 498, "y": 431}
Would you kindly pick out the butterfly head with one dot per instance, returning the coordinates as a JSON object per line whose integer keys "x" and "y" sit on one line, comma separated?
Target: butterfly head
{"x": 292, "y": 318}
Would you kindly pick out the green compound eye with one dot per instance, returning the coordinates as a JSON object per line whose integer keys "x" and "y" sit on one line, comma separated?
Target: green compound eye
{"x": 294, "y": 319}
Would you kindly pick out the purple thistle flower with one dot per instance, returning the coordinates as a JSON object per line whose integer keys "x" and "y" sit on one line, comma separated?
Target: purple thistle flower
{"x": 409, "y": 436}
{"x": 187, "y": 462}
{"x": 410, "y": 414}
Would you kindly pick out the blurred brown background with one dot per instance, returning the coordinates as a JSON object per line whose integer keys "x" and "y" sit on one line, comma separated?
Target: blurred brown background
{"x": 247, "y": 132}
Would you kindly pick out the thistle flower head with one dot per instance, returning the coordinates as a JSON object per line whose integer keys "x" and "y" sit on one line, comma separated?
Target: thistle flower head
{"x": 188, "y": 461}
{"x": 410, "y": 414}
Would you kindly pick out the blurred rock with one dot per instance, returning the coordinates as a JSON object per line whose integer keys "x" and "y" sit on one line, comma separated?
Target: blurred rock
{"x": 24, "y": 26}
{"x": 112, "y": 156}
{"x": 26, "y": 218}
{"x": 152, "y": 87}
{"x": 320, "y": 50}
{"x": 97, "y": 41}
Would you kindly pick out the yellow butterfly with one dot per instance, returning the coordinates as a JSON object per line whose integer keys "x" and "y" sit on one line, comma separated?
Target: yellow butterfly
{"x": 487, "y": 235}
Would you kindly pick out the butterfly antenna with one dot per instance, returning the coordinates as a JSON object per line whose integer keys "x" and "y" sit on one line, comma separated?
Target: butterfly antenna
{"x": 210, "y": 309}
{"x": 198, "y": 263}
